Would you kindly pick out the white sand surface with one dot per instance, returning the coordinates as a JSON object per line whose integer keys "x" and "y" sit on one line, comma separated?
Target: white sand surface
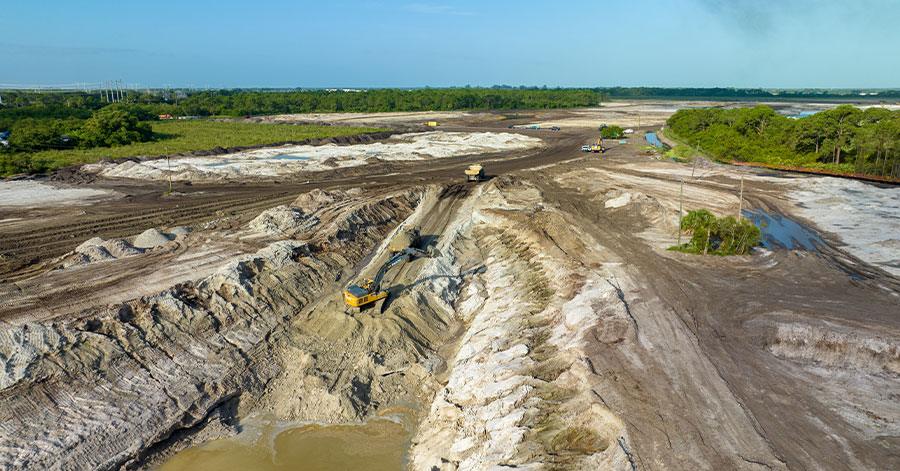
{"x": 32, "y": 193}
{"x": 865, "y": 217}
{"x": 272, "y": 162}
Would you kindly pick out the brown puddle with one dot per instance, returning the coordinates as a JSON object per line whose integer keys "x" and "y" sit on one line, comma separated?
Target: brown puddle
{"x": 379, "y": 444}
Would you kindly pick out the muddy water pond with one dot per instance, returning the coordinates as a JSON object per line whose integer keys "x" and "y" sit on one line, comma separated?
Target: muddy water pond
{"x": 265, "y": 445}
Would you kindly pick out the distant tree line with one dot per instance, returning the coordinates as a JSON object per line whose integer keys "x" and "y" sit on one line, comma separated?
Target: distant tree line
{"x": 149, "y": 104}
{"x": 843, "y": 139}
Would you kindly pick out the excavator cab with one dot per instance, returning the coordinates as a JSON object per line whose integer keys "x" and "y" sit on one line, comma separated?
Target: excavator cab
{"x": 358, "y": 296}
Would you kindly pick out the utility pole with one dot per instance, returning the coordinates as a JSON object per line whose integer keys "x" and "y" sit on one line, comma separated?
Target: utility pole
{"x": 680, "y": 210}
{"x": 169, "y": 165}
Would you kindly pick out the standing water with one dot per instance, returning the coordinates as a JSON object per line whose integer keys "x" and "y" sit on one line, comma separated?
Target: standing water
{"x": 652, "y": 139}
{"x": 780, "y": 231}
{"x": 379, "y": 444}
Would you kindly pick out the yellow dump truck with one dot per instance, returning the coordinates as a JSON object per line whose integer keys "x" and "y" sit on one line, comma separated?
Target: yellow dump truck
{"x": 475, "y": 173}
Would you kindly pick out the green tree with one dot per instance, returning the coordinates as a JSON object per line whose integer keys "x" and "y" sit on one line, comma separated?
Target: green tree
{"x": 32, "y": 135}
{"x": 840, "y": 124}
{"x": 113, "y": 126}
{"x": 610, "y": 132}
{"x": 701, "y": 224}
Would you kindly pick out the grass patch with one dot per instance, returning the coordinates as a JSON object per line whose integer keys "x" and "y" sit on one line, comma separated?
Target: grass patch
{"x": 191, "y": 135}
{"x": 681, "y": 153}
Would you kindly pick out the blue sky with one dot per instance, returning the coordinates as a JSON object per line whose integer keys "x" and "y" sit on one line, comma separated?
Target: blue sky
{"x": 224, "y": 43}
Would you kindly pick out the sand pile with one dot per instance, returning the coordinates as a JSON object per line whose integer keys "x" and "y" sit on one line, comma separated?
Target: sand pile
{"x": 151, "y": 238}
{"x": 97, "y": 249}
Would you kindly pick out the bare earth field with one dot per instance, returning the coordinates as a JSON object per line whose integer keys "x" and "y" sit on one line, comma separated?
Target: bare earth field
{"x": 552, "y": 330}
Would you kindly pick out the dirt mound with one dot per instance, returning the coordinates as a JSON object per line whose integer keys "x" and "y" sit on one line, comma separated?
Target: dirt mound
{"x": 97, "y": 249}
{"x": 119, "y": 248}
{"x": 92, "y": 242}
{"x": 283, "y": 221}
{"x": 151, "y": 238}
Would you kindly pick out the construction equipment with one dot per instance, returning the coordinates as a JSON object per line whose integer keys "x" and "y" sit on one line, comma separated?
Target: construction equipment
{"x": 475, "y": 173}
{"x": 598, "y": 147}
{"x": 369, "y": 290}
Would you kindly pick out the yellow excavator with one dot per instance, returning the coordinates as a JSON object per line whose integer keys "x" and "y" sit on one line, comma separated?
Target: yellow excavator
{"x": 598, "y": 147}
{"x": 369, "y": 290}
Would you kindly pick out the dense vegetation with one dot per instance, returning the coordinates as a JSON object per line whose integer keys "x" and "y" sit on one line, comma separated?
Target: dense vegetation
{"x": 173, "y": 136}
{"x": 845, "y": 139}
{"x": 720, "y": 236}
{"x": 63, "y": 105}
{"x": 611, "y": 132}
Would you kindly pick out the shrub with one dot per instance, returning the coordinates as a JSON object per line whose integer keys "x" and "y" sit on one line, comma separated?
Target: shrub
{"x": 722, "y": 236}
{"x": 113, "y": 127}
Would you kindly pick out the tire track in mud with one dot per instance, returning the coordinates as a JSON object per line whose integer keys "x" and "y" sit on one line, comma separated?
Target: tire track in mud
{"x": 24, "y": 251}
